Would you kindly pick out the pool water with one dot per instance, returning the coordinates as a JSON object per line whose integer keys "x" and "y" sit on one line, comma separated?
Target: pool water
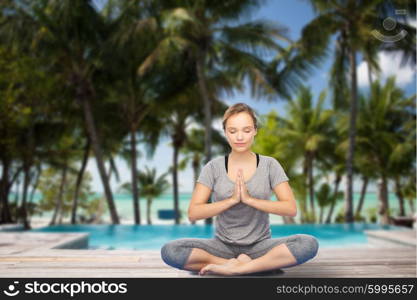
{"x": 152, "y": 237}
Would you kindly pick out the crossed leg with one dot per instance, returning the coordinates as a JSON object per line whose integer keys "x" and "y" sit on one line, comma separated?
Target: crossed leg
{"x": 200, "y": 259}
{"x": 213, "y": 256}
{"x": 278, "y": 257}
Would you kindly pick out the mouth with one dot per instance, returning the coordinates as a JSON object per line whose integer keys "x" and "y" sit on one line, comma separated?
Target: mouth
{"x": 240, "y": 144}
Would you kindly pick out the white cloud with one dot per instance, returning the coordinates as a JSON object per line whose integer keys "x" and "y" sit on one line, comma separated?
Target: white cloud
{"x": 390, "y": 64}
{"x": 218, "y": 124}
{"x": 412, "y": 22}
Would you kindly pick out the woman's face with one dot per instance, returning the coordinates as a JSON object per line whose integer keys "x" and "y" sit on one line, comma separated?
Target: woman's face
{"x": 240, "y": 131}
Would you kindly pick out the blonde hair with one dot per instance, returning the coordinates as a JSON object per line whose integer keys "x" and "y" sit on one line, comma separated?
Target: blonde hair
{"x": 238, "y": 108}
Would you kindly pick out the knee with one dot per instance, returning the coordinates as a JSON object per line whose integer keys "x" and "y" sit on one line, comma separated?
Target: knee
{"x": 175, "y": 254}
{"x": 310, "y": 244}
{"x": 305, "y": 247}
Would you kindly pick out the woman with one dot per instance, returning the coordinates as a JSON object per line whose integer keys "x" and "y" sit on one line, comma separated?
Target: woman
{"x": 242, "y": 183}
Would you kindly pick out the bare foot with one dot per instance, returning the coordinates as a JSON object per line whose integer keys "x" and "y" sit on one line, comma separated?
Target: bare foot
{"x": 231, "y": 262}
{"x": 228, "y": 268}
{"x": 224, "y": 269}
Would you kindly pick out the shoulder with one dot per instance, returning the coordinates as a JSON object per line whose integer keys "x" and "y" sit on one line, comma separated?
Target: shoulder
{"x": 271, "y": 162}
{"x": 215, "y": 163}
{"x": 268, "y": 159}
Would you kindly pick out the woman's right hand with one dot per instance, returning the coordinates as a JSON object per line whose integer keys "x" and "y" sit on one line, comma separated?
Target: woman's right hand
{"x": 236, "y": 193}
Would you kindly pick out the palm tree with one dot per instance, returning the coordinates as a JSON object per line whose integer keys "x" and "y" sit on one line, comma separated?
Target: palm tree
{"x": 184, "y": 110}
{"x": 193, "y": 147}
{"x": 386, "y": 136}
{"x": 134, "y": 34}
{"x": 9, "y": 118}
{"x": 86, "y": 154}
{"x": 343, "y": 19}
{"x": 150, "y": 187}
{"x": 308, "y": 127}
{"x": 352, "y": 22}
{"x": 206, "y": 31}
{"x": 403, "y": 157}
{"x": 64, "y": 150}
{"x": 71, "y": 35}
{"x": 177, "y": 124}
{"x": 324, "y": 198}
{"x": 27, "y": 112}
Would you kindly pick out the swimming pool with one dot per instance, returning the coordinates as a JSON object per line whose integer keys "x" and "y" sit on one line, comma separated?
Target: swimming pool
{"x": 152, "y": 237}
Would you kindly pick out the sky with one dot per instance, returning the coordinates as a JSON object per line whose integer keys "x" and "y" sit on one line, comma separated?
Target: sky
{"x": 293, "y": 15}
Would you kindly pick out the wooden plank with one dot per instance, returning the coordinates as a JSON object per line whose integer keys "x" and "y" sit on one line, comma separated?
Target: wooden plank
{"x": 69, "y": 259}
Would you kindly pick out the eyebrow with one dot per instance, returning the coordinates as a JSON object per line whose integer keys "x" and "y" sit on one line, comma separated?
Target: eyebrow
{"x": 243, "y": 127}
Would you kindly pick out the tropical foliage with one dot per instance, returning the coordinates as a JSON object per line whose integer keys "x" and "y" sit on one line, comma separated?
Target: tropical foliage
{"x": 84, "y": 79}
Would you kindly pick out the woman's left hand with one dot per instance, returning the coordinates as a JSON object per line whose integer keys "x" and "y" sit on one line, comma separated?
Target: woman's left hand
{"x": 244, "y": 195}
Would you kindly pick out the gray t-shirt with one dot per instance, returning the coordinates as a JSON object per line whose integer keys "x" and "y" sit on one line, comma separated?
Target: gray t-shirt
{"x": 242, "y": 224}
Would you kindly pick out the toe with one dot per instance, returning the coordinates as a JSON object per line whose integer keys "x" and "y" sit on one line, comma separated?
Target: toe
{"x": 205, "y": 269}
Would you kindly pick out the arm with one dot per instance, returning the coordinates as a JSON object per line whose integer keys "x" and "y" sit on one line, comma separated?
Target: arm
{"x": 200, "y": 209}
{"x": 286, "y": 206}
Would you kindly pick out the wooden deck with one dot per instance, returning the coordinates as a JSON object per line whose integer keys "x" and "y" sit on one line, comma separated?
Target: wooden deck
{"x": 36, "y": 255}
{"x": 392, "y": 237}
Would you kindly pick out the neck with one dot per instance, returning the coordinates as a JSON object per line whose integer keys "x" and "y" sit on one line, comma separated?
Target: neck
{"x": 241, "y": 156}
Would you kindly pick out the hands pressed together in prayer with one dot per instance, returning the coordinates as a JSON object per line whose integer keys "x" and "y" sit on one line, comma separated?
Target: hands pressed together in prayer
{"x": 240, "y": 193}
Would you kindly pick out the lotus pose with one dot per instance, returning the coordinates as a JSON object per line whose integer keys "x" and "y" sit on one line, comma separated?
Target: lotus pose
{"x": 241, "y": 182}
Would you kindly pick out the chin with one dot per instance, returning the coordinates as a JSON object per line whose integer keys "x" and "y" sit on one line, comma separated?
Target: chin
{"x": 240, "y": 149}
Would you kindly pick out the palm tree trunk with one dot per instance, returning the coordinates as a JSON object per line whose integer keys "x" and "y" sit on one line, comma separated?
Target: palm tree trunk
{"x": 383, "y": 210}
{"x": 288, "y": 220}
{"x": 23, "y": 208}
{"x": 311, "y": 184}
{"x": 321, "y": 215}
{"x": 362, "y": 198}
{"x": 80, "y": 176}
{"x": 352, "y": 135}
{"x": 109, "y": 172}
{"x": 175, "y": 183}
{"x": 17, "y": 195}
{"x": 400, "y": 197}
{"x": 148, "y": 211}
{"x": 336, "y": 190}
{"x": 58, "y": 204}
{"x": 196, "y": 171}
{"x": 304, "y": 209}
{"x": 5, "y": 216}
{"x": 201, "y": 55}
{"x": 411, "y": 204}
{"x": 369, "y": 74}
{"x": 35, "y": 186}
{"x": 135, "y": 191}
{"x": 91, "y": 129}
